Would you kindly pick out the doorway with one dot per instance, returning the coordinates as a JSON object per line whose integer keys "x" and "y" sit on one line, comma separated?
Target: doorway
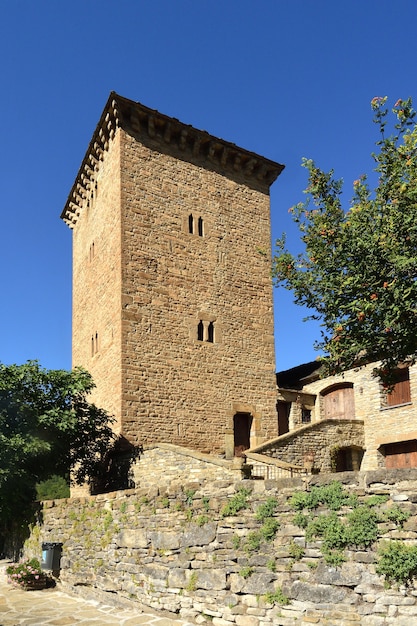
{"x": 283, "y": 417}
{"x": 348, "y": 459}
{"x": 242, "y": 423}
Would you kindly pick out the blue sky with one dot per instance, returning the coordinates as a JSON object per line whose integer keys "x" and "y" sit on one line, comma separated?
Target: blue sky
{"x": 284, "y": 78}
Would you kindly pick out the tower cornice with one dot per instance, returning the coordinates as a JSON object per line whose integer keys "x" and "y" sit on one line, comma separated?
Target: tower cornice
{"x": 166, "y": 132}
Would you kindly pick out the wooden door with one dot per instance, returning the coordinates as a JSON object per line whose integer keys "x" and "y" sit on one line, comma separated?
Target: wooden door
{"x": 242, "y": 423}
{"x": 339, "y": 403}
{"x": 283, "y": 416}
{"x": 403, "y": 454}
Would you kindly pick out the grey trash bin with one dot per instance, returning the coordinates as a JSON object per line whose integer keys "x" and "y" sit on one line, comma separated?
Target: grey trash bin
{"x": 51, "y": 556}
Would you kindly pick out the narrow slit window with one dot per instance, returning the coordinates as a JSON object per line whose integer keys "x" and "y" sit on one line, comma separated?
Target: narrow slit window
{"x": 191, "y": 224}
{"x": 92, "y": 346}
{"x": 200, "y": 331}
{"x": 200, "y": 227}
{"x": 210, "y": 332}
{"x": 96, "y": 343}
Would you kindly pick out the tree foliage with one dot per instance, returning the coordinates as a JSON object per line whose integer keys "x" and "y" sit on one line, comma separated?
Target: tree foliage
{"x": 359, "y": 266}
{"x": 47, "y": 427}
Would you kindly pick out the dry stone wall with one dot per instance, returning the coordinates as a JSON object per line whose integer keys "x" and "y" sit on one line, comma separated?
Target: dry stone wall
{"x": 180, "y": 550}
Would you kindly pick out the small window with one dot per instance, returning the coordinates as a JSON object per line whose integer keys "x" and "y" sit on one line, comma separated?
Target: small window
{"x": 191, "y": 224}
{"x": 200, "y": 227}
{"x": 305, "y": 416}
{"x": 210, "y": 332}
{"x": 94, "y": 344}
{"x": 400, "y": 393}
{"x": 205, "y": 331}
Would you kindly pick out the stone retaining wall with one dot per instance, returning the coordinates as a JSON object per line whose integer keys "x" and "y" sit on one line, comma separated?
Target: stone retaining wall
{"x": 168, "y": 464}
{"x": 315, "y": 442}
{"x": 174, "y": 549}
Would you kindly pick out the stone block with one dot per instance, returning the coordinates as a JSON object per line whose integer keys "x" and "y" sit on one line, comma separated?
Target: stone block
{"x": 317, "y": 593}
{"x": 196, "y": 535}
{"x": 348, "y": 575}
{"x": 165, "y": 540}
{"x": 247, "y": 620}
{"x": 211, "y": 579}
{"x": 132, "y": 538}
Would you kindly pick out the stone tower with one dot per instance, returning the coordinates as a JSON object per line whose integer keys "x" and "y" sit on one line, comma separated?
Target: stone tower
{"x": 172, "y": 292}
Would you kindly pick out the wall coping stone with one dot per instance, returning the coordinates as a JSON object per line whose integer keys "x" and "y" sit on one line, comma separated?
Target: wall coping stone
{"x": 300, "y": 430}
{"x": 200, "y": 456}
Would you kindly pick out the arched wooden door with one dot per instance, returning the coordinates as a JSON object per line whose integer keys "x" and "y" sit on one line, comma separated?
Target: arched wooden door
{"x": 339, "y": 402}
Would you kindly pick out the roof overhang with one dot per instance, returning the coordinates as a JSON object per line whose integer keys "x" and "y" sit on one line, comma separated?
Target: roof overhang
{"x": 165, "y": 132}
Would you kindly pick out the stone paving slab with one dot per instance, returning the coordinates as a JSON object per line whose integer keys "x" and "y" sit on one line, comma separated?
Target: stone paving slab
{"x": 53, "y": 607}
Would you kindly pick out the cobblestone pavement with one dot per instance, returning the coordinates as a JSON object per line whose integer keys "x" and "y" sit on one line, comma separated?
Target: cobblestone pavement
{"x": 56, "y": 608}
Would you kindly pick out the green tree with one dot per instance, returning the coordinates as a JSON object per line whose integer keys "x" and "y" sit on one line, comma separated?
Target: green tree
{"x": 359, "y": 266}
{"x": 47, "y": 427}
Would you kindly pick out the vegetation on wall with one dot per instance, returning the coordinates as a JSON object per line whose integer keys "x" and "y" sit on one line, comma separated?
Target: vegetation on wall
{"x": 357, "y": 528}
{"x": 357, "y": 272}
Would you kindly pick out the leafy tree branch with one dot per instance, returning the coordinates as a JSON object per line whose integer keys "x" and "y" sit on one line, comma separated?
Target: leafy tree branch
{"x": 359, "y": 266}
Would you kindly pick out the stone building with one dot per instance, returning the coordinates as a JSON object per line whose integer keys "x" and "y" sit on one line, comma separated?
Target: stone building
{"x": 172, "y": 291}
{"x": 346, "y": 422}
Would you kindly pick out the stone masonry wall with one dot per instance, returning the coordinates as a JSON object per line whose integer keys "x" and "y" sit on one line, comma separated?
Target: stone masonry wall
{"x": 96, "y": 323}
{"x": 171, "y": 466}
{"x": 178, "y": 389}
{"x": 178, "y": 550}
{"x": 142, "y": 282}
{"x": 382, "y": 425}
{"x": 314, "y": 443}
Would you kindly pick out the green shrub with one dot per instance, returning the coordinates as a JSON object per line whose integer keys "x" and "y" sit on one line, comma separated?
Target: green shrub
{"x": 266, "y": 509}
{"x": 334, "y": 557}
{"x": 238, "y": 502}
{"x": 269, "y": 528}
{"x": 397, "y": 561}
{"x": 189, "y": 496}
{"x": 253, "y": 541}
{"x": 330, "y": 529}
{"x": 272, "y": 565}
{"x": 376, "y": 500}
{"x": 246, "y": 572}
{"x": 362, "y": 526}
{"x": 206, "y": 503}
{"x": 201, "y": 520}
{"x": 296, "y": 551}
{"x": 276, "y": 597}
{"x": 332, "y": 495}
{"x": 300, "y": 520}
{"x": 396, "y": 515}
{"x": 52, "y": 489}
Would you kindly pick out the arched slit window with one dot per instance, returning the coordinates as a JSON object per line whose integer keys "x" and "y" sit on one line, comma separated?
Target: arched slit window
{"x": 200, "y": 227}
{"x": 200, "y": 331}
{"x": 210, "y": 332}
{"x": 191, "y": 224}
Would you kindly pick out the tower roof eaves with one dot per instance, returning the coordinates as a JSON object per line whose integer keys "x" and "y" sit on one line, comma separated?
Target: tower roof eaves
{"x": 120, "y": 112}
